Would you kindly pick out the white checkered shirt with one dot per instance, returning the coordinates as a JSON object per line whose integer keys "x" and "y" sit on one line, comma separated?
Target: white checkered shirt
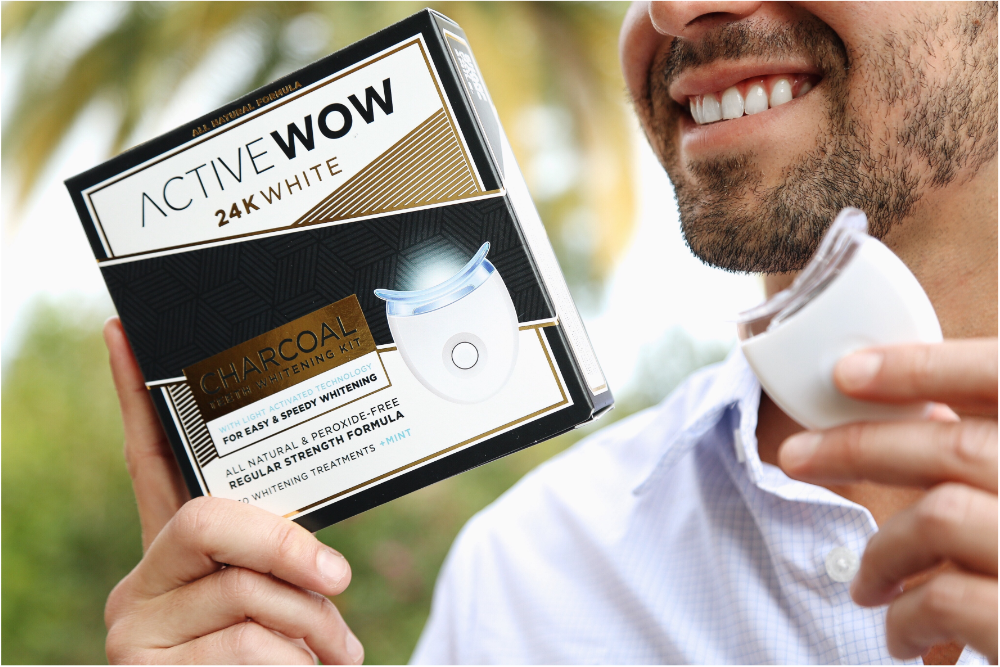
{"x": 661, "y": 539}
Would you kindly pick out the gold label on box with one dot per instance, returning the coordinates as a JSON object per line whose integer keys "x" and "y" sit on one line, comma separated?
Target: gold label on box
{"x": 280, "y": 358}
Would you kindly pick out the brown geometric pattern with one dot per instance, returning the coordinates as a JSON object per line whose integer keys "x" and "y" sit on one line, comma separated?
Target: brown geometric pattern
{"x": 427, "y": 166}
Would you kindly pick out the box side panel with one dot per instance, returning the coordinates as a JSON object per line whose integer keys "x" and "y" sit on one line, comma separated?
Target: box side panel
{"x": 471, "y": 106}
{"x": 552, "y": 277}
{"x": 461, "y": 59}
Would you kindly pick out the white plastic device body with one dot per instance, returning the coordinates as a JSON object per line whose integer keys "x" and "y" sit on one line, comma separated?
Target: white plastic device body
{"x": 458, "y": 338}
{"x": 855, "y": 293}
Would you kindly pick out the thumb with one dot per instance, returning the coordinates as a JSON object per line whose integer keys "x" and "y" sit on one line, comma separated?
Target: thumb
{"x": 156, "y": 479}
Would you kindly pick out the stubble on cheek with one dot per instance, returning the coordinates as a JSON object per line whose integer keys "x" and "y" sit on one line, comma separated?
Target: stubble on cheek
{"x": 735, "y": 216}
{"x": 706, "y": 190}
{"x": 939, "y": 73}
{"x": 896, "y": 124}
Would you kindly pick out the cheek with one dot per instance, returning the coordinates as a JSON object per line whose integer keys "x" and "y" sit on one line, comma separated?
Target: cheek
{"x": 857, "y": 23}
{"x": 638, "y": 44}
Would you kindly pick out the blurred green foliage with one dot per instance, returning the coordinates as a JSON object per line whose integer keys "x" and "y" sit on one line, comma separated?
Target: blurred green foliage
{"x": 70, "y": 529}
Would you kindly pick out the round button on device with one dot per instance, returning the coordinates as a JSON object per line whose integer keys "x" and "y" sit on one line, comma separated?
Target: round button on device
{"x": 842, "y": 564}
{"x": 464, "y": 355}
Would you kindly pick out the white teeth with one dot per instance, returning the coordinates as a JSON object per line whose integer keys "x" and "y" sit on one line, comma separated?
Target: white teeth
{"x": 732, "y": 103}
{"x": 781, "y": 92}
{"x": 756, "y": 99}
{"x": 711, "y": 111}
{"x": 696, "y": 110}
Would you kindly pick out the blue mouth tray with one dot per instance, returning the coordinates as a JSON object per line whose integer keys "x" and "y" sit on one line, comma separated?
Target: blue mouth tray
{"x": 472, "y": 275}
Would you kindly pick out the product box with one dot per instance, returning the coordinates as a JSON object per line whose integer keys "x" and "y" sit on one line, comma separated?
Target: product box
{"x": 337, "y": 287}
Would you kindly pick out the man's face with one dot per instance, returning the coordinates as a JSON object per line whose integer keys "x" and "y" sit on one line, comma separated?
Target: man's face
{"x": 822, "y": 106}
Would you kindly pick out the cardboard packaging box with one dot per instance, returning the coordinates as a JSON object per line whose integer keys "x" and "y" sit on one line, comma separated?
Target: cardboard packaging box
{"x": 337, "y": 287}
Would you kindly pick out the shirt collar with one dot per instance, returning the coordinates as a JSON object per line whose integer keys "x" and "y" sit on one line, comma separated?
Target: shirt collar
{"x": 732, "y": 391}
{"x": 732, "y": 384}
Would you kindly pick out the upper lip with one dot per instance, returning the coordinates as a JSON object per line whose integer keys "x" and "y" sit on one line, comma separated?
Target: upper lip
{"x": 720, "y": 75}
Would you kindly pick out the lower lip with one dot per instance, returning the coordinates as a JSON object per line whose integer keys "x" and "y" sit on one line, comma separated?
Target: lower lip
{"x": 739, "y": 133}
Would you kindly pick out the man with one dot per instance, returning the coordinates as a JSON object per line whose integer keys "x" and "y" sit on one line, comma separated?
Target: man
{"x": 674, "y": 536}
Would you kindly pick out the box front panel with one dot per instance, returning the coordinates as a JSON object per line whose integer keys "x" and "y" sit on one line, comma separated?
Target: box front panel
{"x": 314, "y": 401}
{"x": 245, "y": 261}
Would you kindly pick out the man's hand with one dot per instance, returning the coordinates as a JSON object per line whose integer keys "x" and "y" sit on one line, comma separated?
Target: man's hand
{"x": 220, "y": 581}
{"x": 955, "y": 459}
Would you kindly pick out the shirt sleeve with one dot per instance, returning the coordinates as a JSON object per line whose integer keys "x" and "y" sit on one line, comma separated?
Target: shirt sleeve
{"x": 449, "y": 628}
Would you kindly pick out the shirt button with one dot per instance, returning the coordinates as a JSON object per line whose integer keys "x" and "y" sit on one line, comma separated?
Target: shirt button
{"x": 842, "y": 564}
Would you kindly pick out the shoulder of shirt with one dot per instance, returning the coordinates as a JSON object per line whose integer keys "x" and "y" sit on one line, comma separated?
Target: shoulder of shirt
{"x": 552, "y": 516}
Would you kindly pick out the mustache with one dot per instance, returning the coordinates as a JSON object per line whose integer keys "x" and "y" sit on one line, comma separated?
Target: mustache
{"x": 765, "y": 40}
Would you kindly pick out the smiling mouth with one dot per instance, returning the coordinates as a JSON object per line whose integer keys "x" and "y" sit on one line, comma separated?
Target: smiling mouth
{"x": 750, "y": 96}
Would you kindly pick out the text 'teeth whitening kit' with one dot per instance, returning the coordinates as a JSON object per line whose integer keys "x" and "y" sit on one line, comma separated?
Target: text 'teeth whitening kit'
{"x": 337, "y": 287}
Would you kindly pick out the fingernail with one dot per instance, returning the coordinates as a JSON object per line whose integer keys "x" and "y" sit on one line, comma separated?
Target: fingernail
{"x": 331, "y": 565}
{"x": 798, "y": 449}
{"x": 856, "y": 371}
{"x": 354, "y": 648}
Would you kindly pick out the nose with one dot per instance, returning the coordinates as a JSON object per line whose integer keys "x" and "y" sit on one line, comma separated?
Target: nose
{"x": 691, "y": 19}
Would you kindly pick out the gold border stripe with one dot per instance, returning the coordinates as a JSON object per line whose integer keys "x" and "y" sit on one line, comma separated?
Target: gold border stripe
{"x": 537, "y": 413}
{"x": 432, "y": 456}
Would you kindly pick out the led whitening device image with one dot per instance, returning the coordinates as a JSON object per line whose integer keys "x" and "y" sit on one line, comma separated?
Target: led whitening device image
{"x": 854, "y": 293}
{"x": 459, "y": 338}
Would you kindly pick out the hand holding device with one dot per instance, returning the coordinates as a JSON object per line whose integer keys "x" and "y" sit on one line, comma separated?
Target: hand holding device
{"x": 956, "y": 460}
{"x": 181, "y": 603}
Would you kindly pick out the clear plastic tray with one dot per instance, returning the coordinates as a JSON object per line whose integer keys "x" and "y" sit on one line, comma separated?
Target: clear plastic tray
{"x": 848, "y": 231}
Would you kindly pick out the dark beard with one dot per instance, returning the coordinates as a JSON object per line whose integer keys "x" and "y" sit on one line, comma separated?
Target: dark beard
{"x": 731, "y": 220}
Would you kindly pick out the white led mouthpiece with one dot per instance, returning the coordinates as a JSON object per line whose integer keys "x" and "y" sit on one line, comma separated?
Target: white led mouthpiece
{"x": 854, "y": 293}
{"x": 459, "y": 338}
{"x": 404, "y": 304}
